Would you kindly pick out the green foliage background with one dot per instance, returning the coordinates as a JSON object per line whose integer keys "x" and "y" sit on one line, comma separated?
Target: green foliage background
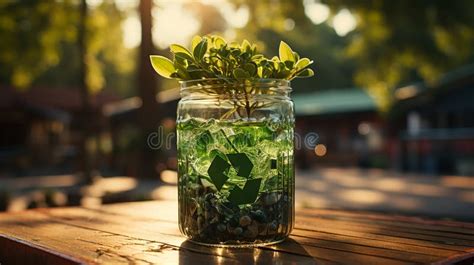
{"x": 39, "y": 45}
{"x": 395, "y": 42}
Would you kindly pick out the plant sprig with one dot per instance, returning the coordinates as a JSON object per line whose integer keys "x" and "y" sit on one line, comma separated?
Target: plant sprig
{"x": 211, "y": 57}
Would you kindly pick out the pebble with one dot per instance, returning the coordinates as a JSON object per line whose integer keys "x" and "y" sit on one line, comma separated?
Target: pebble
{"x": 273, "y": 225}
{"x": 262, "y": 229}
{"x": 252, "y": 230}
{"x": 272, "y": 228}
{"x": 229, "y": 228}
{"x": 221, "y": 227}
{"x": 245, "y": 220}
{"x": 259, "y": 216}
{"x": 270, "y": 199}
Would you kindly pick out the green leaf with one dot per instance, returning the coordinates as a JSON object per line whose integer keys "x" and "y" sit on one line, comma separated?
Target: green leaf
{"x": 306, "y": 73}
{"x": 260, "y": 72}
{"x": 241, "y": 163}
{"x": 184, "y": 56}
{"x": 203, "y": 140}
{"x": 162, "y": 65}
{"x": 250, "y": 68}
{"x": 175, "y": 48}
{"x": 282, "y": 73}
{"x": 182, "y": 74}
{"x": 212, "y": 57}
{"x": 302, "y": 63}
{"x": 217, "y": 152}
{"x": 242, "y": 139}
{"x": 181, "y": 71}
{"x": 234, "y": 44}
{"x": 257, "y": 57}
{"x": 296, "y": 56}
{"x": 285, "y": 52}
{"x": 289, "y": 64}
{"x": 264, "y": 72}
{"x": 217, "y": 171}
{"x": 195, "y": 41}
{"x": 205, "y": 181}
{"x": 246, "y": 195}
{"x": 179, "y": 60}
{"x": 219, "y": 42}
{"x": 245, "y": 45}
{"x": 240, "y": 73}
{"x": 200, "y": 49}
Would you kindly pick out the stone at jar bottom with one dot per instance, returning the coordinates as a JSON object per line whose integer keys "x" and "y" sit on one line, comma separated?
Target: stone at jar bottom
{"x": 223, "y": 223}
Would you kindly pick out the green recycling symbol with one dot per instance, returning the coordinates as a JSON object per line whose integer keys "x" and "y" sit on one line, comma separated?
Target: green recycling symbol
{"x": 219, "y": 169}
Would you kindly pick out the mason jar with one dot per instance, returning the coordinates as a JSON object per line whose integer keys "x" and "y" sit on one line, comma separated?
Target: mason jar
{"x": 236, "y": 181}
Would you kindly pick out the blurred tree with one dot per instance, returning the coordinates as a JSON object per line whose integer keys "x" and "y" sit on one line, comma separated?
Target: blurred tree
{"x": 39, "y": 45}
{"x": 210, "y": 18}
{"x": 85, "y": 91}
{"x": 64, "y": 43}
{"x": 398, "y": 41}
{"x": 32, "y": 32}
{"x": 149, "y": 115}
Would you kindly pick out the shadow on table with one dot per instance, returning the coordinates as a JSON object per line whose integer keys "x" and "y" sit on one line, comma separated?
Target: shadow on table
{"x": 288, "y": 251}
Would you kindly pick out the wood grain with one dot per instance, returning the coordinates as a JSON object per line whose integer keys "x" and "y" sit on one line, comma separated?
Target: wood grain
{"x": 147, "y": 233}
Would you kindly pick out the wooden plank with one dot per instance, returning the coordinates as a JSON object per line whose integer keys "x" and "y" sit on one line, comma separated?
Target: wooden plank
{"x": 410, "y": 221}
{"x": 343, "y": 257}
{"x": 110, "y": 246}
{"x": 138, "y": 218}
{"x": 89, "y": 246}
{"x": 92, "y": 246}
{"x": 394, "y": 226}
{"x": 373, "y": 234}
{"x": 350, "y": 247}
{"x": 147, "y": 233}
{"x": 16, "y": 251}
{"x": 436, "y": 252}
{"x": 384, "y": 238}
{"x": 156, "y": 227}
{"x": 153, "y": 230}
{"x": 374, "y": 248}
{"x": 320, "y": 224}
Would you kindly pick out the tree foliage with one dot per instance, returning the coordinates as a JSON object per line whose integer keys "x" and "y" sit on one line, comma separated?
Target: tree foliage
{"x": 39, "y": 45}
{"x": 398, "y": 41}
{"x": 31, "y": 33}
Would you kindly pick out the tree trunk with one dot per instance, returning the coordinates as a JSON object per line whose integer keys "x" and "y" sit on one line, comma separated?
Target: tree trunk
{"x": 85, "y": 115}
{"x": 147, "y": 84}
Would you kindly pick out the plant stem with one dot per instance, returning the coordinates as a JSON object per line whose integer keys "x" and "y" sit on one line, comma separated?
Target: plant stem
{"x": 247, "y": 103}
{"x": 233, "y": 147}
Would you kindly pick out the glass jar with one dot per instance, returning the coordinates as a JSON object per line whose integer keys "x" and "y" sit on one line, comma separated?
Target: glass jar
{"x": 235, "y": 162}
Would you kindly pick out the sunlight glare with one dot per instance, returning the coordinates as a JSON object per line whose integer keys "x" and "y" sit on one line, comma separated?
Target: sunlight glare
{"x": 173, "y": 24}
{"x": 236, "y": 18}
{"x": 131, "y": 31}
{"x": 94, "y": 3}
{"x": 316, "y": 12}
{"x": 344, "y": 22}
{"x": 362, "y": 196}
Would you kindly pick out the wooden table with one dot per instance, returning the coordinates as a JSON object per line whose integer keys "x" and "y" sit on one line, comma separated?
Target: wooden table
{"x": 147, "y": 232}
